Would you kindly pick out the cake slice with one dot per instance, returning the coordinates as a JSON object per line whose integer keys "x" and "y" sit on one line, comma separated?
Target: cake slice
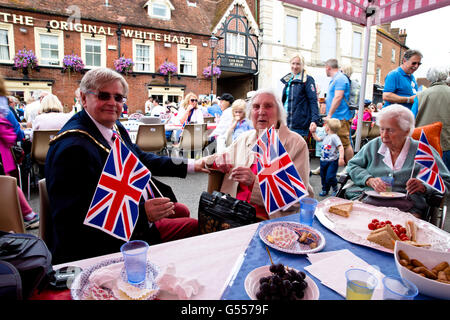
{"x": 411, "y": 230}
{"x": 342, "y": 209}
{"x": 385, "y": 237}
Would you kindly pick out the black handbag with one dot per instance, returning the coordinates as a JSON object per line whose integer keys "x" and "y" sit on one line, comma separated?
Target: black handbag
{"x": 220, "y": 211}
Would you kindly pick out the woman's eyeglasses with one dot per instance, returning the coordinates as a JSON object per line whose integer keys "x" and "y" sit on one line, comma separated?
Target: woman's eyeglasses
{"x": 105, "y": 96}
{"x": 194, "y": 100}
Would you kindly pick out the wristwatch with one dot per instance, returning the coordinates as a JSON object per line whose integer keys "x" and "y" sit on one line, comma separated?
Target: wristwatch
{"x": 407, "y": 100}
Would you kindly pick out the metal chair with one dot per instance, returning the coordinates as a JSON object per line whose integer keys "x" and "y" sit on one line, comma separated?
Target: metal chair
{"x": 151, "y": 138}
{"x": 44, "y": 213}
{"x": 374, "y": 132}
{"x": 39, "y": 149}
{"x": 436, "y": 202}
{"x": 193, "y": 139}
{"x": 11, "y": 218}
{"x": 209, "y": 119}
{"x": 366, "y": 126}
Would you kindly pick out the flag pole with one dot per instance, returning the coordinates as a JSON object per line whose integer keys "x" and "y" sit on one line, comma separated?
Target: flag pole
{"x": 412, "y": 173}
{"x": 160, "y": 194}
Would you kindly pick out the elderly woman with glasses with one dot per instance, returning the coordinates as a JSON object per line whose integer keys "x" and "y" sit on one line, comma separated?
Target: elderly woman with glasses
{"x": 392, "y": 155}
{"x": 75, "y": 162}
{"x": 238, "y": 161}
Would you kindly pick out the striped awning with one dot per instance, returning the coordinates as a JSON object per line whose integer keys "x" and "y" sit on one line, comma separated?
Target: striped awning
{"x": 382, "y": 11}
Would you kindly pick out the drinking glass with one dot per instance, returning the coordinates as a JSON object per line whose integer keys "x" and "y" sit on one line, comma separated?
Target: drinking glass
{"x": 389, "y": 181}
{"x": 360, "y": 284}
{"x": 307, "y": 210}
{"x": 396, "y": 288}
{"x": 135, "y": 260}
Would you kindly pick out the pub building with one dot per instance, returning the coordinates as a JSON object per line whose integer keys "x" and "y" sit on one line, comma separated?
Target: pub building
{"x": 149, "y": 33}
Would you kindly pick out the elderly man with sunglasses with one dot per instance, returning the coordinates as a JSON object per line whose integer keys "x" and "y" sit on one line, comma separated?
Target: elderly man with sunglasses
{"x": 400, "y": 86}
{"x": 75, "y": 161}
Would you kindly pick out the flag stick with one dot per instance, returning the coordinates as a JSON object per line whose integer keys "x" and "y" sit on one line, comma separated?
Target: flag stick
{"x": 160, "y": 194}
{"x": 412, "y": 173}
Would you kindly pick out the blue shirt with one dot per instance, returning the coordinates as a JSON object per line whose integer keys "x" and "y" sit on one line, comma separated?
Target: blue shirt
{"x": 339, "y": 82}
{"x": 214, "y": 109}
{"x": 402, "y": 84}
{"x": 241, "y": 126}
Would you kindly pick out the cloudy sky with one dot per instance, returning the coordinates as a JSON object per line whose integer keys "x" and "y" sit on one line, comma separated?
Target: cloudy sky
{"x": 429, "y": 33}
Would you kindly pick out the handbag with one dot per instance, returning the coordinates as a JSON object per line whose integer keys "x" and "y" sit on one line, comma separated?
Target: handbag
{"x": 18, "y": 154}
{"x": 220, "y": 211}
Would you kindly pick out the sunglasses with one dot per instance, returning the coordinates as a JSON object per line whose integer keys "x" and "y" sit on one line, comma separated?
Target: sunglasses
{"x": 105, "y": 96}
{"x": 416, "y": 63}
{"x": 194, "y": 100}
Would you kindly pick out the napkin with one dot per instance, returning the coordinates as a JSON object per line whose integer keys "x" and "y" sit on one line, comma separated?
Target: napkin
{"x": 283, "y": 237}
{"x": 182, "y": 287}
{"x": 329, "y": 268}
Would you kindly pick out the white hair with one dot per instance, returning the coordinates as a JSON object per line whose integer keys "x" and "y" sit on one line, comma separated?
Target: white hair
{"x": 437, "y": 73}
{"x": 404, "y": 116}
{"x": 281, "y": 112}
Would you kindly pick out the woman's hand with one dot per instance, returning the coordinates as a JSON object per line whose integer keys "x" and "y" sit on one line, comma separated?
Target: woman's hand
{"x": 243, "y": 175}
{"x": 223, "y": 163}
{"x": 415, "y": 185}
{"x": 159, "y": 208}
{"x": 376, "y": 184}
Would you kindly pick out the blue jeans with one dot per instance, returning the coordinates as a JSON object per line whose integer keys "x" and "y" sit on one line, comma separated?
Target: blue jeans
{"x": 446, "y": 158}
{"x": 328, "y": 171}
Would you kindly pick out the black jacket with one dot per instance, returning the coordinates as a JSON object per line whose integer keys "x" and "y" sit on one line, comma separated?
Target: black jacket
{"x": 302, "y": 106}
{"x": 75, "y": 161}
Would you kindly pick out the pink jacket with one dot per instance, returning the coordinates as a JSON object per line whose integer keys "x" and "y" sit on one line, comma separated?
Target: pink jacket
{"x": 7, "y": 140}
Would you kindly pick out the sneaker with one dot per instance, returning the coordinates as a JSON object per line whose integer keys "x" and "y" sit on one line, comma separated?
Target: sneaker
{"x": 316, "y": 171}
{"x": 32, "y": 223}
{"x": 323, "y": 193}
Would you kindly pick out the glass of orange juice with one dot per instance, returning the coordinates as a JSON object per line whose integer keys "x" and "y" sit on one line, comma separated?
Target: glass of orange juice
{"x": 360, "y": 284}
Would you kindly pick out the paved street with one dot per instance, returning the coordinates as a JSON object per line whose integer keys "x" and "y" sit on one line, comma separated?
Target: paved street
{"x": 188, "y": 191}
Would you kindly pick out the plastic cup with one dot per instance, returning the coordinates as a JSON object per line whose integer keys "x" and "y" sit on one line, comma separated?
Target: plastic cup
{"x": 396, "y": 288}
{"x": 135, "y": 260}
{"x": 389, "y": 181}
{"x": 360, "y": 284}
{"x": 307, "y": 210}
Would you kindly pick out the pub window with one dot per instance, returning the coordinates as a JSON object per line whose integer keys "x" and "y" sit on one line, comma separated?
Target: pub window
{"x": 356, "y": 50}
{"x": 379, "y": 48}
{"x": 49, "y": 47}
{"x": 187, "y": 60}
{"x": 393, "y": 55}
{"x": 6, "y": 43}
{"x": 291, "y": 31}
{"x": 143, "y": 56}
{"x": 328, "y": 38}
{"x": 378, "y": 76}
{"x": 93, "y": 50}
{"x": 236, "y": 44}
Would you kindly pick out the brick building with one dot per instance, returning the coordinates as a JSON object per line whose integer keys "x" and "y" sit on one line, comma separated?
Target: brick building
{"x": 149, "y": 32}
{"x": 389, "y": 50}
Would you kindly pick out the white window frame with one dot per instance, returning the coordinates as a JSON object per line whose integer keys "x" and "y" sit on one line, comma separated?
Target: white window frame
{"x": 9, "y": 28}
{"x": 379, "y": 48}
{"x": 354, "y": 43}
{"x": 236, "y": 43}
{"x": 194, "y": 59}
{"x": 151, "y": 45}
{"x": 378, "y": 75}
{"x": 166, "y": 3}
{"x": 88, "y": 36}
{"x": 393, "y": 55}
{"x": 37, "y": 41}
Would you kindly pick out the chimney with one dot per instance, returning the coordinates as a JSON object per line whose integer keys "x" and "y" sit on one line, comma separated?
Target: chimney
{"x": 386, "y": 26}
{"x": 402, "y": 36}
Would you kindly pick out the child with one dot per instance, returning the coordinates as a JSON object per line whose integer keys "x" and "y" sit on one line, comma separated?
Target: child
{"x": 332, "y": 156}
{"x": 240, "y": 123}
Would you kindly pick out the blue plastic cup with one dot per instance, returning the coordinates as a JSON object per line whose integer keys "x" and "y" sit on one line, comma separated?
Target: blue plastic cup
{"x": 135, "y": 260}
{"x": 307, "y": 210}
{"x": 396, "y": 288}
{"x": 389, "y": 181}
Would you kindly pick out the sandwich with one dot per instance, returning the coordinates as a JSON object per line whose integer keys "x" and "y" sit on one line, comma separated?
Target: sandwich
{"x": 411, "y": 230}
{"x": 342, "y": 209}
{"x": 385, "y": 237}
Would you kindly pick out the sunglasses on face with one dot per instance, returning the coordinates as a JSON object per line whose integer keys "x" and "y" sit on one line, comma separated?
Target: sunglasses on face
{"x": 416, "y": 63}
{"x": 194, "y": 100}
{"x": 105, "y": 96}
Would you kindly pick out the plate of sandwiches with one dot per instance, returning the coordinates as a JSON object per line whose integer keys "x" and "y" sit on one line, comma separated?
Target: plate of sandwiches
{"x": 385, "y": 194}
{"x": 379, "y": 227}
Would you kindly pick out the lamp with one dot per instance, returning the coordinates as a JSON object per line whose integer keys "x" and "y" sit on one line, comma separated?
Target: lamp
{"x": 212, "y": 44}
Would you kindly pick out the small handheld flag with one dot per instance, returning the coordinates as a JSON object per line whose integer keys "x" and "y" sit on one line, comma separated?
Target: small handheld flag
{"x": 115, "y": 206}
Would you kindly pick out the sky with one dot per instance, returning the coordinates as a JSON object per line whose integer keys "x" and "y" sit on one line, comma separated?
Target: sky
{"x": 429, "y": 33}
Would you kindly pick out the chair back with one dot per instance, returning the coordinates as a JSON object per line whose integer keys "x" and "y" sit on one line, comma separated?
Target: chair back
{"x": 11, "y": 218}
{"x": 150, "y": 120}
{"x": 209, "y": 119}
{"x": 374, "y": 132}
{"x": 215, "y": 179}
{"x": 366, "y": 125}
{"x": 40, "y": 144}
{"x": 193, "y": 137}
{"x": 151, "y": 137}
{"x": 44, "y": 213}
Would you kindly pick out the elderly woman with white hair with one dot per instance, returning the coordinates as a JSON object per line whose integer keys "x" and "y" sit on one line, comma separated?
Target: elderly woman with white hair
{"x": 50, "y": 115}
{"x": 238, "y": 162}
{"x": 392, "y": 154}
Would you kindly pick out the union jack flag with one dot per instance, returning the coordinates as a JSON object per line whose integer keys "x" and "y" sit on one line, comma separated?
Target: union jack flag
{"x": 279, "y": 181}
{"x": 429, "y": 173}
{"x": 115, "y": 206}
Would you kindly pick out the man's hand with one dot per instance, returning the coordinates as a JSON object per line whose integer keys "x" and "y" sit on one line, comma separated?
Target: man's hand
{"x": 200, "y": 166}
{"x": 415, "y": 185}
{"x": 243, "y": 175}
{"x": 158, "y": 208}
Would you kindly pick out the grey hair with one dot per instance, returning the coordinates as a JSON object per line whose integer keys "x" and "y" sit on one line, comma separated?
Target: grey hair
{"x": 409, "y": 53}
{"x": 94, "y": 79}
{"x": 332, "y": 63}
{"x": 36, "y": 95}
{"x": 281, "y": 112}
{"x": 437, "y": 73}
{"x": 404, "y": 117}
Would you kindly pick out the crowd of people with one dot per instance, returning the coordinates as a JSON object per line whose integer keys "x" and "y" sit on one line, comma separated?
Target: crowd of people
{"x": 79, "y": 151}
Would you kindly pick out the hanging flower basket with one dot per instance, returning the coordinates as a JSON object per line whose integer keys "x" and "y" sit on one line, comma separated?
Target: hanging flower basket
{"x": 124, "y": 65}
{"x": 167, "y": 69}
{"x": 72, "y": 63}
{"x": 216, "y": 72}
{"x": 25, "y": 61}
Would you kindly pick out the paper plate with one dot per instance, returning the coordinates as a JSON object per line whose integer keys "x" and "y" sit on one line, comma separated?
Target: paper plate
{"x": 252, "y": 284}
{"x": 297, "y": 247}
{"x": 385, "y": 195}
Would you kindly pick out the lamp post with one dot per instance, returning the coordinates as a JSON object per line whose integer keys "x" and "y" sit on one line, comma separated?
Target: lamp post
{"x": 212, "y": 44}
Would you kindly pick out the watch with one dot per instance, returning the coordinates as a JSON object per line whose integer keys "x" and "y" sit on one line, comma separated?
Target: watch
{"x": 407, "y": 100}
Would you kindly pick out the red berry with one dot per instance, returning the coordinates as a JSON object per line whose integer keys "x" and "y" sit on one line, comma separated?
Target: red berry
{"x": 388, "y": 222}
{"x": 372, "y": 226}
{"x": 375, "y": 221}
